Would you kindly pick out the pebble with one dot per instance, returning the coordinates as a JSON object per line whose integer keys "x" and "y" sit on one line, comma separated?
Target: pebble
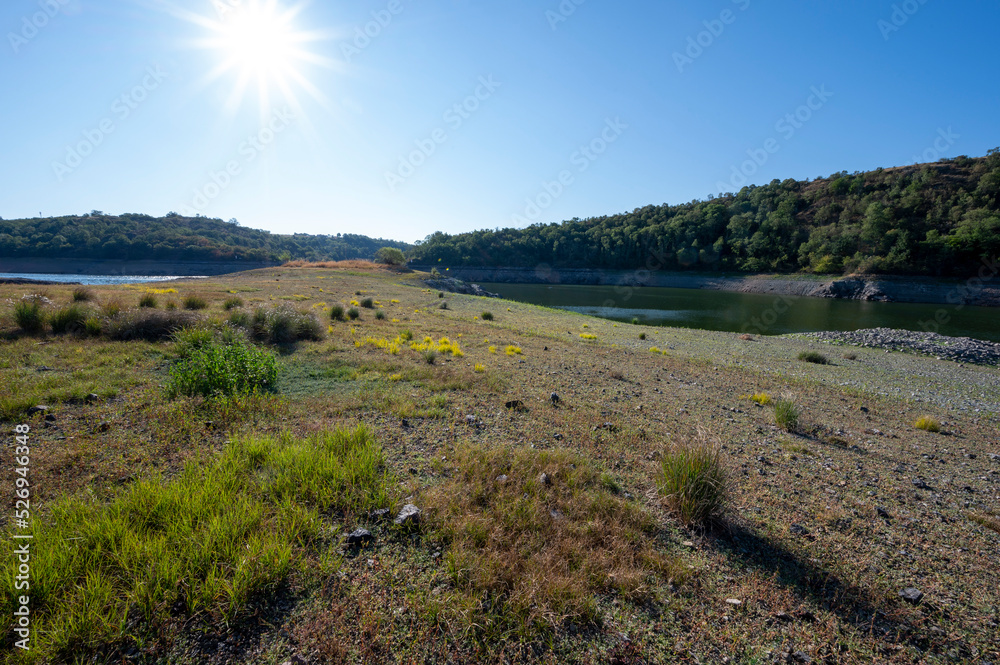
{"x": 957, "y": 349}
{"x": 410, "y": 514}
{"x": 359, "y": 538}
{"x": 911, "y": 595}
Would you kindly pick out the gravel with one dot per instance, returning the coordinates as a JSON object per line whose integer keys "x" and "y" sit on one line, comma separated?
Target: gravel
{"x": 959, "y": 349}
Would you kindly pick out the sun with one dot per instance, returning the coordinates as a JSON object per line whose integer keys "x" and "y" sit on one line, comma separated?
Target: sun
{"x": 259, "y": 47}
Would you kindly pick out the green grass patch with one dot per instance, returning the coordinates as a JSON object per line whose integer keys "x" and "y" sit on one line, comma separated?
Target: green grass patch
{"x": 195, "y": 303}
{"x": 786, "y": 414}
{"x": 693, "y": 482}
{"x": 29, "y": 315}
{"x": 69, "y": 319}
{"x": 814, "y": 357}
{"x": 214, "y": 369}
{"x": 203, "y": 545}
{"x": 928, "y": 424}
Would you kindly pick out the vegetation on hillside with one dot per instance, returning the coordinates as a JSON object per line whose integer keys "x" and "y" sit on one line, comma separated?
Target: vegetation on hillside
{"x": 926, "y": 219}
{"x": 173, "y": 238}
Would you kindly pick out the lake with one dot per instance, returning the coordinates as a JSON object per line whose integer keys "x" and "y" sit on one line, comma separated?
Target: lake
{"x": 751, "y": 312}
{"x": 89, "y": 279}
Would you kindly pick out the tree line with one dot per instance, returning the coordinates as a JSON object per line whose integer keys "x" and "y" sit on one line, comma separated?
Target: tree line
{"x": 935, "y": 219}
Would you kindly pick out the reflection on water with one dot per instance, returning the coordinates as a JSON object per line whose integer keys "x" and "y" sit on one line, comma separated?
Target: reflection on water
{"x": 90, "y": 279}
{"x": 753, "y": 312}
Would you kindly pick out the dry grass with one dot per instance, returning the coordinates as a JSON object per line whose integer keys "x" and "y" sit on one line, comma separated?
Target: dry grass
{"x": 353, "y": 264}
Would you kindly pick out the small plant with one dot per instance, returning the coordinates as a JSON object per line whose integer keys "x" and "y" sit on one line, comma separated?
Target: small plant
{"x": 92, "y": 327}
{"x": 69, "y": 319}
{"x": 443, "y": 305}
{"x": 112, "y": 308}
{"x": 850, "y": 356}
{"x": 511, "y": 350}
{"x": 232, "y": 303}
{"x": 368, "y": 303}
{"x": 148, "y": 300}
{"x": 337, "y": 313}
{"x": 29, "y": 315}
{"x": 430, "y": 355}
{"x": 81, "y": 294}
{"x": 928, "y": 424}
{"x": 813, "y": 357}
{"x": 406, "y": 335}
{"x": 214, "y": 369}
{"x": 635, "y": 320}
{"x": 486, "y": 316}
{"x": 693, "y": 482}
{"x": 762, "y": 399}
{"x": 171, "y": 305}
{"x": 353, "y": 313}
{"x": 587, "y": 336}
{"x": 642, "y": 335}
{"x": 480, "y": 368}
{"x": 195, "y": 303}
{"x": 786, "y": 414}
{"x": 380, "y": 315}
{"x": 440, "y": 294}
{"x": 357, "y": 293}
{"x": 435, "y": 272}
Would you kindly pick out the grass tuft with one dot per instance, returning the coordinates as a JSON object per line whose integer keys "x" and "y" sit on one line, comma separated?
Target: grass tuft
{"x": 928, "y": 424}
{"x": 195, "y": 303}
{"x": 786, "y": 414}
{"x": 148, "y": 300}
{"x": 486, "y": 316}
{"x": 693, "y": 482}
{"x": 29, "y": 315}
{"x": 814, "y": 357}
{"x": 232, "y": 303}
{"x": 149, "y": 324}
{"x": 69, "y": 319}
{"x": 81, "y": 294}
{"x": 353, "y": 313}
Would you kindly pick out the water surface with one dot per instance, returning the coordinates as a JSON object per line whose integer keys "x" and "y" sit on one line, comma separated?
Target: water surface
{"x": 91, "y": 279}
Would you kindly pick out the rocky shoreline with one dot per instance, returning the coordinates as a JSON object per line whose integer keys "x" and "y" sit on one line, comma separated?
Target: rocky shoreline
{"x": 958, "y": 349}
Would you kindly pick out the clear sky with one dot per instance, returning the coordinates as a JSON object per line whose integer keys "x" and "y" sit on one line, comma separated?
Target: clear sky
{"x": 397, "y": 118}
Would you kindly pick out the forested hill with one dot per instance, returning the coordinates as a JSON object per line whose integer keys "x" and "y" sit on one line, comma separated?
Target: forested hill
{"x": 173, "y": 238}
{"x": 927, "y": 219}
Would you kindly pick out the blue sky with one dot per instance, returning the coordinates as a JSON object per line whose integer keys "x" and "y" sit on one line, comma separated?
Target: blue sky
{"x": 455, "y": 115}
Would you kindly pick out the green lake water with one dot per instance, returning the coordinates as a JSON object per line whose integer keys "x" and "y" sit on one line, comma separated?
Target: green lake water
{"x": 754, "y": 313}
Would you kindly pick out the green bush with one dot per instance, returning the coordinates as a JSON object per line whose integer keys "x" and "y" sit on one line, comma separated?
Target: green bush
{"x": 813, "y": 357}
{"x": 443, "y": 305}
{"x": 232, "y": 303}
{"x": 190, "y": 340}
{"x": 214, "y": 369}
{"x": 693, "y": 482}
{"x": 380, "y": 315}
{"x": 29, "y": 315}
{"x": 148, "y": 300}
{"x": 69, "y": 319}
{"x": 281, "y": 325}
{"x": 149, "y": 324}
{"x": 353, "y": 313}
{"x": 786, "y": 414}
{"x": 642, "y": 335}
{"x": 392, "y": 256}
{"x": 368, "y": 303}
{"x": 337, "y": 313}
{"x": 430, "y": 355}
{"x": 81, "y": 294}
{"x": 486, "y": 316}
{"x": 93, "y": 327}
{"x": 195, "y": 303}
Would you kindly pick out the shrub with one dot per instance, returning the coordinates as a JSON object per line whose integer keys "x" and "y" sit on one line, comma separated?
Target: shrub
{"x": 148, "y": 300}
{"x": 29, "y": 315}
{"x": 337, "y": 313}
{"x": 435, "y": 272}
{"x": 392, "y": 256}
{"x": 813, "y": 357}
{"x": 149, "y": 324}
{"x": 380, "y": 315}
{"x": 353, "y": 313}
{"x": 693, "y": 482}
{"x": 69, "y": 319}
{"x": 487, "y": 316}
{"x": 850, "y": 356}
{"x": 642, "y": 335}
{"x": 81, "y": 294}
{"x": 232, "y": 303}
{"x": 928, "y": 424}
{"x": 368, "y": 303}
{"x": 511, "y": 350}
{"x": 190, "y": 340}
{"x": 213, "y": 369}
{"x": 443, "y": 305}
{"x": 430, "y": 355}
{"x": 195, "y": 303}
{"x": 281, "y": 325}
{"x": 786, "y": 414}
{"x": 440, "y": 294}
{"x": 635, "y": 320}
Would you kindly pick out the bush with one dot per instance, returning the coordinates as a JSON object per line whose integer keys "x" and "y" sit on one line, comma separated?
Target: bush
{"x": 281, "y": 325}
{"x": 928, "y": 424}
{"x": 337, "y": 313}
{"x": 693, "y": 482}
{"x": 149, "y": 324}
{"x": 440, "y": 294}
{"x": 642, "y": 335}
{"x": 786, "y": 414}
{"x": 430, "y": 355}
{"x": 69, "y": 319}
{"x": 392, "y": 256}
{"x": 635, "y": 320}
{"x": 368, "y": 303}
{"x": 81, "y": 294}
{"x": 232, "y": 303}
{"x": 171, "y": 305}
{"x": 29, "y": 315}
{"x": 487, "y": 316}
{"x": 195, "y": 303}
{"x": 148, "y": 300}
{"x": 190, "y": 340}
{"x": 813, "y": 357}
{"x": 380, "y": 315}
{"x": 353, "y": 313}
{"x": 214, "y": 369}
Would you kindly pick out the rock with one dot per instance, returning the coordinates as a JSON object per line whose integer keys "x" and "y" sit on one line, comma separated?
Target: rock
{"x": 783, "y": 617}
{"x": 555, "y": 398}
{"x": 545, "y": 479}
{"x": 911, "y": 595}
{"x": 44, "y": 368}
{"x": 688, "y": 543}
{"x": 408, "y": 516}
{"x": 50, "y": 418}
{"x": 470, "y": 420}
{"x": 920, "y": 484}
{"x": 359, "y": 538}
{"x": 734, "y": 602}
{"x": 380, "y": 514}
{"x": 502, "y": 479}
{"x": 91, "y": 398}
{"x": 558, "y": 436}
{"x": 798, "y": 530}
{"x": 40, "y": 408}
{"x": 995, "y": 458}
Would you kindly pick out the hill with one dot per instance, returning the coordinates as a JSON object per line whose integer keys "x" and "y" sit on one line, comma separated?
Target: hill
{"x": 927, "y": 219}
{"x": 137, "y": 237}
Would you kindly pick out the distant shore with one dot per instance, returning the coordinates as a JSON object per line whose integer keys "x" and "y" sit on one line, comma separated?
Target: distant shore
{"x": 978, "y": 292}
{"x": 110, "y": 267}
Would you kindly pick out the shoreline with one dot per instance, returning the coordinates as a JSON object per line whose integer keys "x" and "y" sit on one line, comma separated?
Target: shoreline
{"x": 139, "y": 267}
{"x": 978, "y": 292}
